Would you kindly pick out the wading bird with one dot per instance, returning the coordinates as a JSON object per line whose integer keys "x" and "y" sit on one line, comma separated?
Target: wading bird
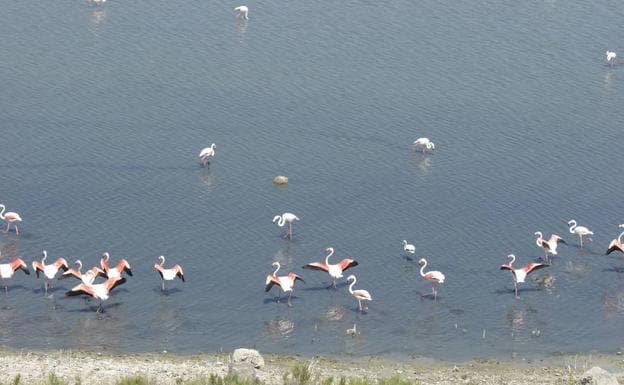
{"x": 334, "y": 270}
{"x": 616, "y": 244}
{"x": 242, "y": 11}
{"x": 49, "y": 270}
{"x": 579, "y": 230}
{"x": 283, "y": 219}
{"x": 286, "y": 283}
{"x": 360, "y": 295}
{"x": 434, "y": 276}
{"x": 550, "y": 246}
{"x": 408, "y": 247}
{"x": 168, "y": 274}
{"x": 521, "y": 273}
{"x": 86, "y": 278}
{"x": 10, "y": 217}
{"x": 100, "y": 291}
{"x": 8, "y": 269}
{"x": 112, "y": 272}
{"x": 611, "y": 58}
{"x": 424, "y": 144}
{"x": 207, "y": 154}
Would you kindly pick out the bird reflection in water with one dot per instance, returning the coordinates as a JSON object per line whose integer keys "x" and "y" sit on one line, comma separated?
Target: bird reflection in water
{"x": 613, "y": 304}
{"x": 517, "y": 320}
{"x": 279, "y": 327}
{"x": 335, "y": 313}
{"x": 207, "y": 180}
{"x": 423, "y": 162}
{"x": 98, "y": 16}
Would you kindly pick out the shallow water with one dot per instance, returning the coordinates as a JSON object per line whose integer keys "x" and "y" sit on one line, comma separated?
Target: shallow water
{"x": 104, "y": 110}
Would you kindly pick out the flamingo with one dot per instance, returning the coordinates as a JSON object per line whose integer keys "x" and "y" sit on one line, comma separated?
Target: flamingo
{"x": 282, "y": 219}
{"x": 616, "y": 244}
{"x": 10, "y": 217}
{"x": 408, "y": 247}
{"x": 206, "y": 154}
{"x": 287, "y": 282}
{"x": 521, "y": 273}
{"x": 87, "y": 278}
{"x": 100, "y": 291}
{"x": 49, "y": 270}
{"x": 242, "y": 11}
{"x": 122, "y": 265}
{"x": 335, "y": 270}
{"x": 8, "y": 269}
{"x": 550, "y": 246}
{"x": 360, "y": 295}
{"x": 433, "y": 276}
{"x": 424, "y": 144}
{"x": 168, "y": 274}
{"x": 611, "y": 57}
{"x": 579, "y": 230}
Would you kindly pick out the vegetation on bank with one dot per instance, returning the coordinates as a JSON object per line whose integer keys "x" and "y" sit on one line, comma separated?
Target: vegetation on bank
{"x": 298, "y": 375}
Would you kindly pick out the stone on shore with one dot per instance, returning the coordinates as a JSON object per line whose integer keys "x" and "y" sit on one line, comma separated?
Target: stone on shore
{"x": 598, "y": 376}
{"x": 250, "y": 356}
{"x": 280, "y": 179}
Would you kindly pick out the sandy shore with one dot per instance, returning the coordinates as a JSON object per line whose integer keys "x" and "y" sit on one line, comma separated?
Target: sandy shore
{"x": 163, "y": 368}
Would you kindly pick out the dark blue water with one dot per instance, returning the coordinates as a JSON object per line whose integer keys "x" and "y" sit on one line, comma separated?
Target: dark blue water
{"x": 104, "y": 109}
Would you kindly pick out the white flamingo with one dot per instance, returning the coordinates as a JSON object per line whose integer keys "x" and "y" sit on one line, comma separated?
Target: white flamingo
{"x": 434, "y": 276}
{"x": 360, "y": 295}
{"x": 408, "y": 247}
{"x": 10, "y": 217}
{"x": 424, "y": 144}
{"x": 207, "y": 154}
{"x": 286, "y": 218}
{"x": 611, "y": 57}
{"x": 242, "y": 11}
{"x": 579, "y": 230}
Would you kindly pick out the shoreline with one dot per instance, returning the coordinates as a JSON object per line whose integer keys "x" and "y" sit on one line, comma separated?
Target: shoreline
{"x": 92, "y": 367}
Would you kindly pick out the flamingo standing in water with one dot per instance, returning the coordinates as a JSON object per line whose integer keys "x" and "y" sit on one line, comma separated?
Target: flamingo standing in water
{"x": 168, "y": 274}
{"x": 334, "y": 270}
{"x": 8, "y": 269}
{"x": 49, "y": 270}
{"x": 10, "y": 217}
{"x": 122, "y": 266}
{"x": 242, "y": 11}
{"x": 100, "y": 291}
{"x": 207, "y": 154}
{"x": 434, "y": 276}
{"x": 616, "y": 244}
{"x": 521, "y": 273}
{"x": 579, "y": 230}
{"x": 87, "y": 278}
{"x": 408, "y": 247}
{"x": 287, "y": 282}
{"x": 611, "y": 58}
{"x": 550, "y": 246}
{"x": 424, "y": 143}
{"x": 282, "y": 219}
{"x": 360, "y": 295}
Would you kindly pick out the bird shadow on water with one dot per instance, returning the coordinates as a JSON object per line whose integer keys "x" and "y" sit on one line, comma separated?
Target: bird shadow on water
{"x": 92, "y": 308}
{"x": 520, "y": 291}
{"x": 328, "y": 287}
{"x": 614, "y": 269}
{"x": 167, "y": 292}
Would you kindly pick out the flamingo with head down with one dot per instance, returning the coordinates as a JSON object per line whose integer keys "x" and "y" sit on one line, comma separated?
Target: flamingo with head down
{"x": 206, "y": 154}
{"x": 424, "y": 144}
{"x": 334, "y": 270}
{"x": 242, "y": 11}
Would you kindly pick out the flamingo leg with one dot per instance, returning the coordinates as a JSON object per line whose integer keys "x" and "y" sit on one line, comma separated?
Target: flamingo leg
{"x": 6, "y": 290}
{"x": 290, "y": 230}
{"x": 289, "y": 303}
{"x": 359, "y": 305}
{"x": 16, "y": 230}
{"x": 163, "y": 285}
{"x": 516, "y": 289}
{"x": 7, "y": 229}
{"x": 45, "y": 286}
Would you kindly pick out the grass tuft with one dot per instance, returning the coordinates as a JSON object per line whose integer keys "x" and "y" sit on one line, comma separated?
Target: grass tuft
{"x": 133, "y": 380}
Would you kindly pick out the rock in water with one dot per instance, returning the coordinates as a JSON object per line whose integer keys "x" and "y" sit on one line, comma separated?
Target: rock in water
{"x": 280, "y": 179}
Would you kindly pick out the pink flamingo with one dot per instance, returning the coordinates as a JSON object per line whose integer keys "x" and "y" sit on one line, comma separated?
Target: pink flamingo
{"x": 334, "y": 270}
{"x": 286, "y": 283}
{"x": 49, "y": 270}
{"x": 168, "y": 274}
{"x": 100, "y": 291}
{"x": 434, "y": 276}
{"x": 10, "y": 217}
{"x": 8, "y": 269}
{"x": 521, "y": 273}
{"x": 616, "y": 244}
{"x": 360, "y": 294}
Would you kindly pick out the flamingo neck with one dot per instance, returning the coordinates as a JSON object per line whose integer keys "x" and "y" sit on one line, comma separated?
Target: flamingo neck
{"x": 422, "y": 268}
{"x": 79, "y": 263}
{"x": 2, "y": 212}
{"x": 162, "y": 260}
{"x": 351, "y": 285}
{"x": 331, "y": 252}
{"x": 620, "y": 237}
{"x": 573, "y": 226}
{"x": 45, "y": 255}
{"x": 276, "y": 270}
{"x": 281, "y": 220}
{"x": 513, "y": 259}
{"x": 539, "y": 239}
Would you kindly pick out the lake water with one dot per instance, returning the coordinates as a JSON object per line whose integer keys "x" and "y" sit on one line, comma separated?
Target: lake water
{"x": 104, "y": 110}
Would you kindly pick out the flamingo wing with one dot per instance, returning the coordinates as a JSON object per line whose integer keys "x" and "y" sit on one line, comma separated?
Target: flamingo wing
{"x": 317, "y": 266}
{"x": 529, "y": 267}
{"x": 179, "y": 272}
{"x": 362, "y": 294}
{"x": 613, "y": 246}
{"x": 81, "y": 289}
{"x": 71, "y": 273}
{"x": 506, "y": 267}
{"x": 112, "y": 283}
{"x": 271, "y": 280}
{"x": 347, "y": 263}
{"x": 37, "y": 267}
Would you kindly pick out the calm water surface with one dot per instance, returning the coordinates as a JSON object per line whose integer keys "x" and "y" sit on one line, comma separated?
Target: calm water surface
{"x": 103, "y": 111}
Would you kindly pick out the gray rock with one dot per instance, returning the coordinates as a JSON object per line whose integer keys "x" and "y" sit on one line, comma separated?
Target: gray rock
{"x": 242, "y": 370}
{"x": 250, "y": 356}
{"x": 598, "y": 376}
